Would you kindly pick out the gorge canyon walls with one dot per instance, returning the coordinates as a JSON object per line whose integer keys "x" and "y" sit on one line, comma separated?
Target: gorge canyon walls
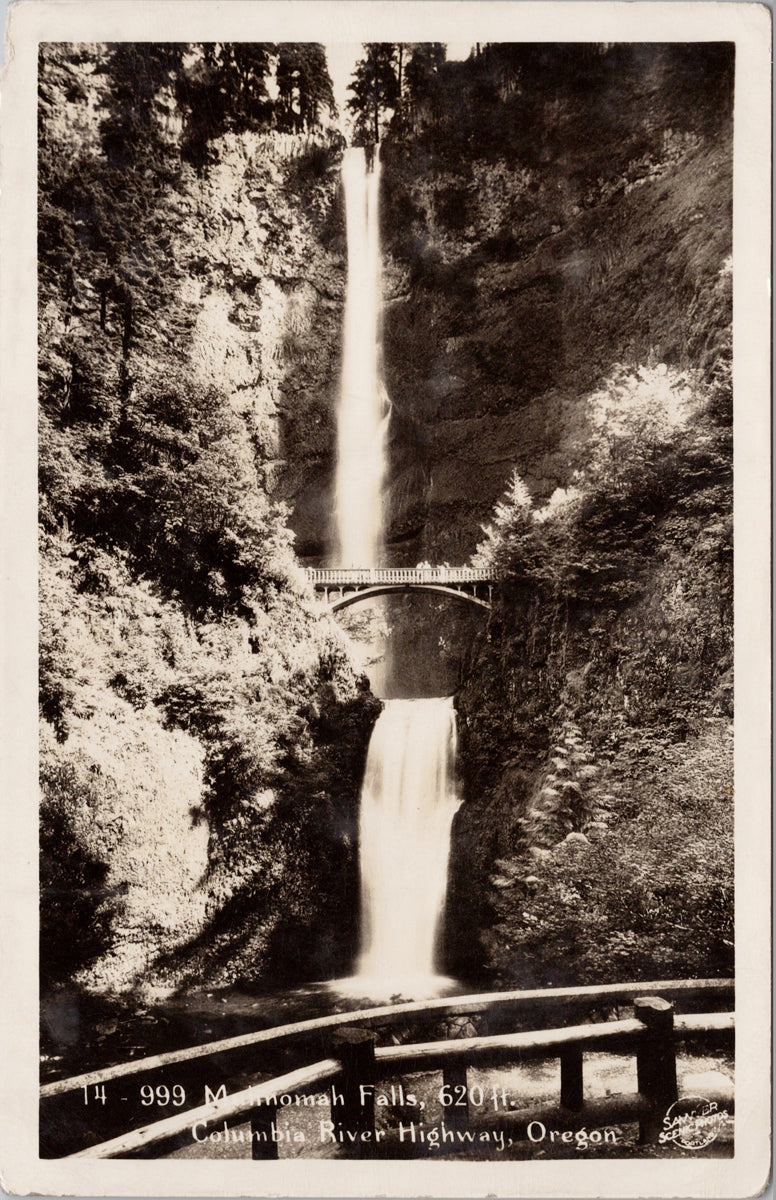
{"x": 557, "y": 292}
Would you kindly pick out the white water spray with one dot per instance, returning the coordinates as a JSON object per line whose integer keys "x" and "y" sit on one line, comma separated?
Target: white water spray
{"x": 408, "y": 802}
{"x": 363, "y": 409}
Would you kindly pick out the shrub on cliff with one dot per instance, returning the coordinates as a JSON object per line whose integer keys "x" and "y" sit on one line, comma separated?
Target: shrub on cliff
{"x": 653, "y": 444}
{"x": 616, "y": 614}
{"x": 650, "y": 898}
{"x": 205, "y": 772}
{"x": 74, "y": 898}
{"x": 178, "y": 488}
{"x": 203, "y": 730}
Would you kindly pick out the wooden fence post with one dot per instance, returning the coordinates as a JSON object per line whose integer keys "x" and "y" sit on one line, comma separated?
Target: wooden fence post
{"x": 453, "y": 1078}
{"x": 656, "y": 1062}
{"x": 353, "y": 1109}
{"x": 263, "y": 1127}
{"x": 571, "y": 1089}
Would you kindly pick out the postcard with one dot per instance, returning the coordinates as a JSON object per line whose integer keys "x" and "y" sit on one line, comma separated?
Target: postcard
{"x": 387, "y": 527}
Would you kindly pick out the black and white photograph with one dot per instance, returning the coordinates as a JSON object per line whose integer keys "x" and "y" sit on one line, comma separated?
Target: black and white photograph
{"x": 386, "y": 395}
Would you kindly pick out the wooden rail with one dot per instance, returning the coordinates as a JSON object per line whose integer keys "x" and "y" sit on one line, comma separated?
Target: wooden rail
{"x": 358, "y": 1066}
{"x": 350, "y": 1035}
{"x": 513, "y": 1002}
{"x": 260, "y": 1100}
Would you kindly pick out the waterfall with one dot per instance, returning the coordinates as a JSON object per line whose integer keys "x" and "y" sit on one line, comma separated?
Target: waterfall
{"x": 408, "y": 798}
{"x": 363, "y": 407}
{"x": 408, "y": 801}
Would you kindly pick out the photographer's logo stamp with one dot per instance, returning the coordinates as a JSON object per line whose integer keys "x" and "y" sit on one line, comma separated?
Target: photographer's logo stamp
{"x": 693, "y": 1123}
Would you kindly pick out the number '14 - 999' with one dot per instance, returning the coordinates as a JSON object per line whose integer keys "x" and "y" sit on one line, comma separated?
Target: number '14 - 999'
{"x": 160, "y": 1095}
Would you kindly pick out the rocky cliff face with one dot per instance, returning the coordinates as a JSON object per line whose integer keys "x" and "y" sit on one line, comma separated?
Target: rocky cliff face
{"x": 561, "y": 290}
{"x": 558, "y": 283}
{"x": 204, "y": 731}
{"x": 541, "y": 233}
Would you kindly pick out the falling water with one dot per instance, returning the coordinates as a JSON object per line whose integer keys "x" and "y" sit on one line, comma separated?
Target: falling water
{"x": 408, "y": 798}
{"x": 408, "y": 801}
{"x": 363, "y": 407}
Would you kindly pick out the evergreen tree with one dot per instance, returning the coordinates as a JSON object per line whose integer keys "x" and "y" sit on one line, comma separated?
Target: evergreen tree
{"x": 138, "y": 71}
{"x": 223, "y": 89}
{"x": 375, "y": 88}
{"x": 511, "y": 514}
{"x": 245, "y": 67}
{"x": 305, "y": 92}
{"x": 421, "y": 76}
{"x": 515, "y": 501}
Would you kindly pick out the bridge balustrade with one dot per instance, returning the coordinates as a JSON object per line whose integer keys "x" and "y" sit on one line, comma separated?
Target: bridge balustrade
{"x": 336, "y": 576}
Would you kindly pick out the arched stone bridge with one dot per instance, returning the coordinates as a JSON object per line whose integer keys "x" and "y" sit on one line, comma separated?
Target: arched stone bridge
{"x": 343, "y": 586}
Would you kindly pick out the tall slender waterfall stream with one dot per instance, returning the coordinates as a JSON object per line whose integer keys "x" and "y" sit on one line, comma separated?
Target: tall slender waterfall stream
{"x": 408, "y": 797}
{"x": 363, "y": 409}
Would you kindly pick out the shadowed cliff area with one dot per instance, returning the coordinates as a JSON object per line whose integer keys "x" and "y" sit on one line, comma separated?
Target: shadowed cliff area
{"x": 551, "y": 212}
{"x": 558, "y": 348}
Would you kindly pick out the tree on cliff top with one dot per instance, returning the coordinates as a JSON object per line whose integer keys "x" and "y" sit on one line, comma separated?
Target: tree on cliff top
{"x": 305, "y": 90}
{"x": 421, "y": 82}
{"x": 138, "y": 73}
{"x": 223, "y": 88}
{"x": 375, "y": 88}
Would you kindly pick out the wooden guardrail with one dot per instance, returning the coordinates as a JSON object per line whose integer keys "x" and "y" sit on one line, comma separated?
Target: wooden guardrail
{"x": 64, "y": 1128}
{"x": 356, "y": 1067}
{"x": 514, "y": 1003}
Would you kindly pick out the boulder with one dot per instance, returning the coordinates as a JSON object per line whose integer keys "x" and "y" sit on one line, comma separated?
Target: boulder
{"x": 575, "y": 839}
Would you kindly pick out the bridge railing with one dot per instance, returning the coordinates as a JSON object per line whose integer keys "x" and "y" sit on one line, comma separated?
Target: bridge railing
{"x": 235, "y": 1059}
{"x": 338, "y": 576}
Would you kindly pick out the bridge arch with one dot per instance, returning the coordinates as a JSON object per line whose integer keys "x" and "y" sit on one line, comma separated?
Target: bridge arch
{"x": 385, "y": 589}
{"x": 340, "y": 587}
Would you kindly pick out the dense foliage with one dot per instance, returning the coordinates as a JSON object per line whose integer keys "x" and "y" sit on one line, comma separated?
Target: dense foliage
{"x": 597, "y": 723}
{"x": 647, "y": 891}
{"x": 557, "y": 221}
{"x": 393, "y": 85}
{"x": 375, "y": 88}
{"x": 494, "y": 103}
{"x": 560, "y": 217}
{"x": 203, "y": 731}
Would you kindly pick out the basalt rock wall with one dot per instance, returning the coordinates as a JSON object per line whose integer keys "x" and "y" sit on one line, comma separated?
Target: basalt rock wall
{"x": 559, "y": 289}
{"x": 557, "y": 245}
{"x": 542, "y": 229}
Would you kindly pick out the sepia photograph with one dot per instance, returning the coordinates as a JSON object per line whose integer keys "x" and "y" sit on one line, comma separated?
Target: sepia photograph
{"x": 385, "y": 595}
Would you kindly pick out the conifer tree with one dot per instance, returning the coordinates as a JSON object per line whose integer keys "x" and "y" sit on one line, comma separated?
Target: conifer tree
{"x": 305, "y": 91}
{"x": 511, "y": 513}
{"x": 421, "y": 76}
{"x": 138, "y": 71}
{"x": 375, "y": 88}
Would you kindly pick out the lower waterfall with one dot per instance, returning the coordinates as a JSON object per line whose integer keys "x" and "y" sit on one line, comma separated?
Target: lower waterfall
{"x": 408, "y": 801}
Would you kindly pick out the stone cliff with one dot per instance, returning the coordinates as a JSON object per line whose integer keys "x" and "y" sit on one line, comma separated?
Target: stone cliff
{"x": 204, "y": 730}
{"x": 557, "y": 240}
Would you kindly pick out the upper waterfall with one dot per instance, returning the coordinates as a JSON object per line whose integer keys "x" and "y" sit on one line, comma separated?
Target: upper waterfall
{"x": 363, "y": 405}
